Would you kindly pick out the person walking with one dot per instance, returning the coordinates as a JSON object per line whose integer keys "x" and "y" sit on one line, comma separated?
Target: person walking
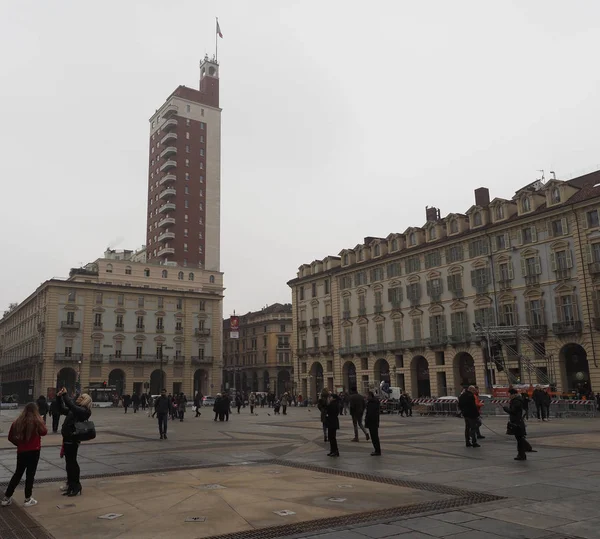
{"x": 238, "y": 402}
{"x": 322, "y": 407}
{"x": 198, "y": 403}
{"x": 78, "y": 411}
{"x": 226, "y": 405}
{"x": 538, "y": 399}
{"x": 26, "y": 432}
{"x": 55, "y": 412}
{"x": 357, "y": 409}
{"x": 126, "y": 402}
{"x": 252, "y": 402}
{"x": 181, "y": 406}
{"x": 470, "y": 413}
{"x": 479, "y": 408}
{"x": 516, "y": 424}
{"x": 285, "y": 401}
{"x": 217, "y": 406}
{"x": 372, "y": 422}
{"x": 333, "y": 424}
{"x": 162, "y": 410}
{"x": 546, "y": 401}
{"x": 135, "y": 400}
{"x": 143, "y": 401}
{"x": 42, "y": 405}
{"x": 526, "y": 400}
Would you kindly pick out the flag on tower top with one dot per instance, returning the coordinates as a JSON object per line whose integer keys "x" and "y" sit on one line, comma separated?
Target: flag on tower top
{"x": 219, "y": 29}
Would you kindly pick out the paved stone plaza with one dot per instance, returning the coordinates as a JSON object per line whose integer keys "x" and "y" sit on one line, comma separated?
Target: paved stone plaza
{"x": 268, "y": 476}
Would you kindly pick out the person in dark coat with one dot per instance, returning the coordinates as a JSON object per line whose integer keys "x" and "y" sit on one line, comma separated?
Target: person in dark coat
{"x": 126, "y": 402}
{"x": 372, "y": 422}
{"x": 78, "y": 411}
{"x": 135, "y": 400}
{"x": 198, "y": 403}
{"x": 357, "y": 410}
{"x": 238, "y": 402}
{"x": 516, "y": 424}
{"x": 181, "y": 405}
{"x": 143, "y": 401}
{"x": 217, "y": 406}
{"x": 322, "y": 407}
{"x": 56, "y": 409}
{"x": 162, "y": 409}
{"x": 538, "y": 399}
{"x": 470, "y": 413}
{"x": 333, "y": 424}
{"x": 526, "y": 400}
{"x": 546, "y": 401}
{"x": 42, "y": 405}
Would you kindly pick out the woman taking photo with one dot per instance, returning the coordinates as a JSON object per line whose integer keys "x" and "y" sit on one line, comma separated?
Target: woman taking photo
{"x": 78, "y": 411}
{"x": 26, "y": 432}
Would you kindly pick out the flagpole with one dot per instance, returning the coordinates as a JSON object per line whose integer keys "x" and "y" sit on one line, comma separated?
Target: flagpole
{"x": 217, "y": 40}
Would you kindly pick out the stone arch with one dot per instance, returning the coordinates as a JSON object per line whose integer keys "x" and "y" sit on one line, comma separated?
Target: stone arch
{"x": 116, "y": 378}
{"x": 349, "y": 375}
{"x": 575, "y": 368}
{"x": 158, "y": 382}
{"x": 265, "y": 381}
{"x": 201, "y": 382}
{"x": 421, "y": 386}
{"x": 67, "y": 378}
{"x": 382, "y": 371}
{"x": 464, "y": 370}
{"x": 316, "y": 380}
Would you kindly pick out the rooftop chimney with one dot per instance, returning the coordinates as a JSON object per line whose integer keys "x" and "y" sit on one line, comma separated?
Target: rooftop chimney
{"x": 482, "y": 197}
{"x": 432, "y": 214}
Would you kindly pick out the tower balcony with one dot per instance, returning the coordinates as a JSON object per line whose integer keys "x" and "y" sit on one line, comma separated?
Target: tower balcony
{"x": 167, "y": 221}
{"x": 168, "y": 165}
{"x": 166, "y": 236}
{"x": 169, "y": 138}
{"x": 168, "y": 152}
{"x": 165, "y": 251}
{"x": 167, "y": 193}
{"x": 169, "y": 206}
{"x": 169, "y": 111}
{"x": 169, "y": 125}
{"x": 167, "y": 179}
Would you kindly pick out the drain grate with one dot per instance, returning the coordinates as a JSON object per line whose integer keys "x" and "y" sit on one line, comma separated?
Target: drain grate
{"x": 15, "y": 523}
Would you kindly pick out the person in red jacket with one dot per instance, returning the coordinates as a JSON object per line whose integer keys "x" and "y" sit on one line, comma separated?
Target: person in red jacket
{"x": 26, "y": 432}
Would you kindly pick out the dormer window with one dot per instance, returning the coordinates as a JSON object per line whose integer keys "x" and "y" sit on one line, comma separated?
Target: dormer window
{"x": 346, "y": 260}
{"x": 477, "y": 218}
{"x": 555, "y": 195}
{"x": 412, "y": 239}
{"x": 360, "y": 255}
{"x": 454, "y": 226}
{"x": 377, "y": 250}
{"x": 499, "y": 212}
{"x": 394, "y": 245}
{"x": 432, "y": 233}
{"x": 526, "y": 204}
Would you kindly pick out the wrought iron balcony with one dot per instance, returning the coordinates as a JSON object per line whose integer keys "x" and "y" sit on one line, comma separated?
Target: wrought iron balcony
{"x": 328, "y": 320}
{"x": 160, "y": 329}
{"x": 96, "y": 358}
{"x": 458, "y": 293}
{"x": 532, "y": 280}
{"x": 70, "y": 325}
{"x": 327, "y": 349}
{"x": 538, "y": 331}
{"x": 283, "y": 345}
{"x": 202, "y": 360}
{"x": 98, "y": 327}
{"x": 481, "y": 289}
{"x": 567, "y": 328}
{"x": 594, "y": 268}
{"x": 438, "y": 339}
{"x": 378, "y": 309}
{"x": 198, "y": 332}
{"x": 435, "y": 298}
{"x": 345, "y": 351}
{"x": 302, "y": 324}
{"x": 68, "y": 357}
{"x": 396, "y": 306}
{"x": 314, "y": 322}
{"x": 140, "y": 329}
{"x": 394, "y": 345}
{"x": 362, "y": 311}
{"x": 346, "y": 315}
{"x": 460, "y": 338}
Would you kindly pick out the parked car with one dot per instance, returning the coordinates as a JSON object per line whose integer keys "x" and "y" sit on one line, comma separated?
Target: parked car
{"x": 208, "y": 401}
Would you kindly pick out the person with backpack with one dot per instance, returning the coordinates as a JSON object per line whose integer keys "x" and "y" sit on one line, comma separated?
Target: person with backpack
{"x": 78, "y": 412}
{"x": 42, "y": 405}
{"x": 25, "y": 433}
{"x": 468, "y": 407}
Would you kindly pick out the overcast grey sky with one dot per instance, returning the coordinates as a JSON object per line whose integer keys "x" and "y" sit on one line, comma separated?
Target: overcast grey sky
{"x": 341, "y": 119}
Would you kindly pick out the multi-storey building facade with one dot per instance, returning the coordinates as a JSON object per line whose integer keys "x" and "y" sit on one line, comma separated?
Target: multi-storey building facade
{"x": 418, "y": 308}
{"x": 260, "y": 359}
{"x": 184, "y": 178}
{"x": 132, "y": 325}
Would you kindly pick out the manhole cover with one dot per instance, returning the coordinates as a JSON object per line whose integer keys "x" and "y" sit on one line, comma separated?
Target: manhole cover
{"x": 209, "y": 487}
{"x": 195, "y": 519}
{"x": 65, "y": 505}
{"x": 336, "y": 500}
{"x": 110, "y": 516}
{"x": 284, "y": 513}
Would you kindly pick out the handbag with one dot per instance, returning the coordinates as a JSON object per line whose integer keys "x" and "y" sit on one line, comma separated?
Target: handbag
{"x": 514, "y": 429}
{"x": 84, "y": 431}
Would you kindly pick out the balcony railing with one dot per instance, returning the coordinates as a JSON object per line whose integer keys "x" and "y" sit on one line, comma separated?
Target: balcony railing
{"x": 538, "y": 331}
{"x": 178, "y": 331}
{"x": 169, "y": 138}
{"x": 302, "y": 324}
{"x": 345, "y": 351}
{"x": 362, "y": 311}
{"x": 314, "y": 350}
{"x": 283, "y": 345}
{"x": 415, "y": 343}
{"x": 168, "y": 165}
{"x": 458, "y": 293}
{"x": 394, "y": 345}
{"x": 167, "y": 178}
{"x": 167, "y": 221}
{"x": 438, "y": 340}
{"x": 170, "y": 110}
{"x": 69, "y": 357}
{"x": 567, "y": 328}
{"x": 165, "y": 236}
{"x": 314, "y": 322}
{"x": 167, "y": 193}
{"x": 415, "y": 301}
{"x": 563, "y": 274}
{"x": 119, "y": 327}
{"x": 140, "y": 329}
{"x": 168, "y": 206}
{"x": 378, "y": 309}
{"x": 435, "y": 298}
{"x": 346, "y": 315}
{"x": 202, "y": 360}
{"x": 70, "y": 325}
{"x": 97, "y": 327}
{"x": 396, "y": 305}
{"x": 532, "y": 280}
{"x": 168, "y": 151}
{"x": 460, "y": 338}
{"x": 160, "y": 329}
{"x": 202, "y": 332}
{"x": 481, "y": 289}
{"x": 96, "y": 358}
{"x": 166, "y": 251}
{"x": 505, "y": 284}
{"x": 327, "y": 349}
{"x": 169, "y": 125}
{"x": 328, "y": 320}
{"x": 178, "y": 359}
{"x": 594, "y": 268}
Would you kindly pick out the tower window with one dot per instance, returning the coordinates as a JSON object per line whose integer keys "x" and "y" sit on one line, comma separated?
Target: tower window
{"x": 188, "y": 108}
{"x": 202, "y": 125}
